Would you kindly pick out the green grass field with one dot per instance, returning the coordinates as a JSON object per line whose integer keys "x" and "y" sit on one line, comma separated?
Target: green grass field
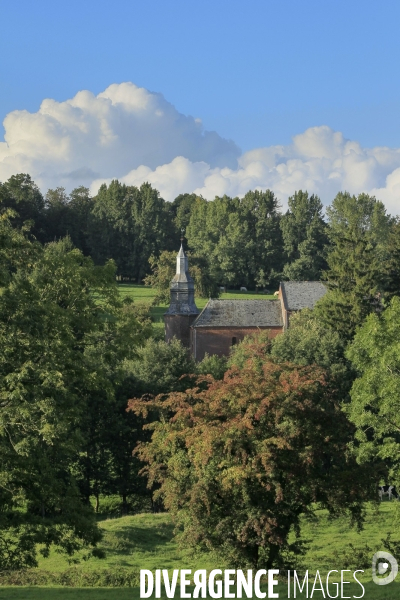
{"x": 146, "y": 541}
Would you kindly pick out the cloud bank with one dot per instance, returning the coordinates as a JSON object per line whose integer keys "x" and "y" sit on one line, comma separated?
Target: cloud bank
{"x": 129, "y": 133}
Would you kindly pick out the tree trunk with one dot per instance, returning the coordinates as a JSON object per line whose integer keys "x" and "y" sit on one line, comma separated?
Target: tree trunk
{"x": 272, "y": 556}
{"x": 124, "y": 505}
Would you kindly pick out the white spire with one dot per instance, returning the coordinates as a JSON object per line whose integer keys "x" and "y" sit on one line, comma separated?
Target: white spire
{"x": 182, "y": 265}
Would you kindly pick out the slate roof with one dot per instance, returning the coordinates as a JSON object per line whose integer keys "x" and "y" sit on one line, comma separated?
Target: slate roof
{"x": 301, "y": 294}
{"x": 240, "y": 313}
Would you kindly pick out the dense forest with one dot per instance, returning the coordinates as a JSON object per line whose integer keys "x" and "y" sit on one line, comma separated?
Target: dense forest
{"x": 236, "y": 436}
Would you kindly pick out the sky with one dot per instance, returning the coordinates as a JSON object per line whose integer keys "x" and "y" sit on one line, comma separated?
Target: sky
{"x": 207, "y": 97}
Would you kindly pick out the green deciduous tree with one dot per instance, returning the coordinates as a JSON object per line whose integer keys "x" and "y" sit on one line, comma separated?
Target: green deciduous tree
{"x": 68, "y": 215}
{"x": 80, "y": 206}
{"x": 375, "y": 395}
{"x": 63, "y": 332}
{"x": 181, "y": 208}
{"x": 22, "y": 195}
{"x": 160, "y": 367}
{"x": 392, "y": 265}
{"x": 129, "y": 224}
{"x": 57, "y": 214}
{"x": 212, "y": 365}
{"x": 240, "y": 238}
{"x": 304, "y": 237}
{"x": 241, "y": 459}
{"x": 16, "y": 250}
{"x": 308, "y": 342}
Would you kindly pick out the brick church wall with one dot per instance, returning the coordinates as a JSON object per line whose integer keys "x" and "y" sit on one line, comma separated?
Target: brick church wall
{"x": 219, "y": 340}
{"x": 178, "y": 326}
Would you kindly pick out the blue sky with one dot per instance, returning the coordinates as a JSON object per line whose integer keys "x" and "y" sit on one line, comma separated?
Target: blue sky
{"x": 257, "y": 72}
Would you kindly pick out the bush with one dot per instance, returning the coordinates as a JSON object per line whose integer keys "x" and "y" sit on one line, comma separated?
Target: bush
{"x": 74, "y": 577}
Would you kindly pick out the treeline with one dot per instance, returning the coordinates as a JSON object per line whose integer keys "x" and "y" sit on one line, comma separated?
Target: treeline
{"x": 238, "y": 241}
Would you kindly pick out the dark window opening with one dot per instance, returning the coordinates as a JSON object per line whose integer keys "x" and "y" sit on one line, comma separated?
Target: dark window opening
{"x": 234, "y": 341}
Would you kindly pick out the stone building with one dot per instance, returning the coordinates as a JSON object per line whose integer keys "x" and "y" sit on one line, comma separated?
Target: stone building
{"x": 223, "y": 323}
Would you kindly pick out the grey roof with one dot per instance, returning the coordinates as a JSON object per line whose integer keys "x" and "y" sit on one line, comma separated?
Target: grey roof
{"x": 240, "y": 313}
{"x": 301, "y": 294}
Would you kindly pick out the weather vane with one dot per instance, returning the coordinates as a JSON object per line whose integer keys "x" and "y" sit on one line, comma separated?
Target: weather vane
{"x": 182, "y": 234}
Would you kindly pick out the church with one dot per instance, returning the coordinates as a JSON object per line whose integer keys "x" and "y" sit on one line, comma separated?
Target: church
{"x": 223, "y": 323}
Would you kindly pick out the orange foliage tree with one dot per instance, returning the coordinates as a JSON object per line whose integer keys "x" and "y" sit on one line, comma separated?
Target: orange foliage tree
{"x": 238, "y": 461}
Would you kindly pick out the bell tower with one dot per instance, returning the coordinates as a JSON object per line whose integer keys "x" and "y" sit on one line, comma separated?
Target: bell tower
{"x": 182, "y": 309}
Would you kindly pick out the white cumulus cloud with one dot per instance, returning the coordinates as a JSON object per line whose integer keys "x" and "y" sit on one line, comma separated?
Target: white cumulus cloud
{"x": 129, "y": 133}
{"x": 106, "y": 135}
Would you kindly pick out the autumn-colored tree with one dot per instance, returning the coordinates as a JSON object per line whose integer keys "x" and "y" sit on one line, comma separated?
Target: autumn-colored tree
{"x": 238, "y": 461}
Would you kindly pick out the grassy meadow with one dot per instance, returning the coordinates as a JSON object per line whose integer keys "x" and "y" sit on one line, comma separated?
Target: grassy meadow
{"x": 145, "y": 541}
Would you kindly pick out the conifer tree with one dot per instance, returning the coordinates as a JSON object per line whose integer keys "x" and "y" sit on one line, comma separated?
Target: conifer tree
{"x": 356, "y": 279}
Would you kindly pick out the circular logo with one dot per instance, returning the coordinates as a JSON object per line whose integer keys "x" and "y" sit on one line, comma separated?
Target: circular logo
{"x": 380, "y": 568}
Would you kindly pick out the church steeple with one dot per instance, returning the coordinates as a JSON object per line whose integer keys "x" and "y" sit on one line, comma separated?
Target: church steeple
{"x": 182, "y": 288}
{"x": 182, "y": 310}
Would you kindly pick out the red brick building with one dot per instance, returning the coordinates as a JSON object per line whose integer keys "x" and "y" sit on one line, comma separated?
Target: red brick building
{"x": 224, "y": 323}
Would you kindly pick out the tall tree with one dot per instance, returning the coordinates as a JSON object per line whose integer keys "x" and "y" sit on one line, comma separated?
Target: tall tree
{"x": 357, "y": 259}
{"x": 22, "y": 195}
{"x": 240, "y": 238}
{"x": 310, "y": 342}
{"x": 181, "y": 208}
{"x": 48, "y": 314}
{"x": 392, "y": 265}
{"x": 260, "y": 211}
{"x": 105, "y": 464}
{"x": 375, "y": 404}
{"x": 152, "y": 221}
{"x": 111, "y": 227}
{"x": 129, "y": 224}
{"x": 16, "y": 249}
{"x": 64, "y": 430}
{"x": 304, "y": 237}
{"x": 57, "y": 214}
